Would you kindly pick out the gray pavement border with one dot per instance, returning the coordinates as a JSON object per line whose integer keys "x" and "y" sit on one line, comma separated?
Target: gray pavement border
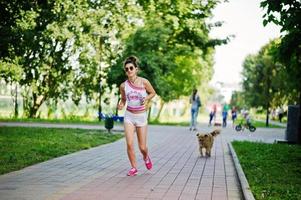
{"x": 247, "y": 193}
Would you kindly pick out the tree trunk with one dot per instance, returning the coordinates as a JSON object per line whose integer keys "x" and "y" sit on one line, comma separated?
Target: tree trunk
{"x": 99, "y": 101}
{"x": 299, "y": 123}
{"x": 64, "y": 114}
{"x": 16, "y": 102}
{"x": 51, "y": 106}
{"x": 37, "y": 102}
{"x": 26, "y": 103}
{"x": 160, "y": 110}
{"x": 33, "y": 111}
{"x": 268, "y": 94}
{"x": 267, "y": 117}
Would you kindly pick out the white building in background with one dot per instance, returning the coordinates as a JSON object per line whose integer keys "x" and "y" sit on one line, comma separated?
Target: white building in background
{"x": 226, "y": 89}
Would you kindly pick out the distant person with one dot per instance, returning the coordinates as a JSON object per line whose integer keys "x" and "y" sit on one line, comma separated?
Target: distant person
{"x": 244, "y": 112}
{"x": 226, "y": 107}
{"x": 195, "y": 102}
{"x": 233, "y": 115}
{"x": 224, "y": 115}
{"x": 136, "y": 92}
{"x": 214, "y": 109}
{"x": 247, "y": 117}
{"x": 211, "y": 115}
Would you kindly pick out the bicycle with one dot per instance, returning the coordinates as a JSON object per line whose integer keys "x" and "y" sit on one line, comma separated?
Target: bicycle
{"x": 247, "y": 125}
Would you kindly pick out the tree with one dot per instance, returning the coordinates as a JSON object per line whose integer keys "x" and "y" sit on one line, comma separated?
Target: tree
{"x": 56, "y": 44}
{"x": 44, "y": 48}
{"x": 237, "y": 100}
{"x": 65, "y": 47}
{"x": 286, "y": 13}
{"x": 11, "y": 72}
{"x": 261, "y": 78}
{"x": 164, "y": 65}
{"x": 174, "y": 47}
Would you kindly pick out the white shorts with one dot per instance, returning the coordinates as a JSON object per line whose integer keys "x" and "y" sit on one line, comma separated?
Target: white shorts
{"x": 137, "y": 119}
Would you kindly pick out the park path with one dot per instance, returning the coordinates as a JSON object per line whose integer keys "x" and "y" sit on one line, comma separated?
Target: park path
{"x": 100, "y": 173}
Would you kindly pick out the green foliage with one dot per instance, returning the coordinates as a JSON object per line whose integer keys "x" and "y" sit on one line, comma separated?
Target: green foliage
{"x": 11, "y": 71}
{"x": 258, "y": 124}
{"x": 255, "y": 122}
{"x": 164, "y": 65}
{"x": 273, "y": 170}
{"x": 174, "y": 48}
{"x": 161, "y": 63}
{"x": 286, "y": 13}
{"x": 253, "y": 80}
{"x": 265, "y": 79}
{"x": 271, "y": 78}
{"x": 65, "y": 48}
{"x": 21, "y": 147}
{"x": 238, "y": 100}
{"x": 56, "y": 44}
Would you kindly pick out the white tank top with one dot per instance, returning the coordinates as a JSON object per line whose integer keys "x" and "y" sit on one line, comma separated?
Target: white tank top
{"x": 134, "y": 96}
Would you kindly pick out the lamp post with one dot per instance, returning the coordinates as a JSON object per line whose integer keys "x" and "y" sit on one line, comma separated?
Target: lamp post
{"x": 101, "y": 42}
{"x": 99, "y": 105}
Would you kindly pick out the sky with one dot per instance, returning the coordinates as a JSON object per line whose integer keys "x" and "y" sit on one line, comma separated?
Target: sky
{"x": 242, "y": 18}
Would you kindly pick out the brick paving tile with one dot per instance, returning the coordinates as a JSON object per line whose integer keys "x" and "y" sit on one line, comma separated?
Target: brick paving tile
{"x": 99, "y": 173}
{"x": 204, "y": 196}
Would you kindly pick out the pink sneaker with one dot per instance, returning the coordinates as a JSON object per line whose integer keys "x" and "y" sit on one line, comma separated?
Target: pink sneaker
{"x": 132, "y": 172}
{"x": 148, "y": 163}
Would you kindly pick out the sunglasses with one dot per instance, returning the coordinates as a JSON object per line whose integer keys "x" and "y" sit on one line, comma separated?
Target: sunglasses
{"x": 131, "y": 68}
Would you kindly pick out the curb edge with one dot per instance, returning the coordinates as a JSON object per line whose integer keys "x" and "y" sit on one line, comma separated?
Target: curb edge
{"x": 247, "y": 193}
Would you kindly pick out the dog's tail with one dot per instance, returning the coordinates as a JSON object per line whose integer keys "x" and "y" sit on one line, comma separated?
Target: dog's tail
{"x": 216, "y": 132}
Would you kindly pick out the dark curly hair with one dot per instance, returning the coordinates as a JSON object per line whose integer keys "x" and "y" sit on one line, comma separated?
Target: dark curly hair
{"x": 131, "y": 59}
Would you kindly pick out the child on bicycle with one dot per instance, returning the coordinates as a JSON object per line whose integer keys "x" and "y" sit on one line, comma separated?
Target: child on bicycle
{"x": 247, "y": 118}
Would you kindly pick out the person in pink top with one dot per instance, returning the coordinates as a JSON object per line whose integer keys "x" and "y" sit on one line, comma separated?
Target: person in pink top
{"x": 135, "y": 92}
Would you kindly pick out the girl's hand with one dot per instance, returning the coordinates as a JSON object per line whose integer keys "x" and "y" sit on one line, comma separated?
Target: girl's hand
{"x": 120, "y": 105}
{"x": 144, "y": 101}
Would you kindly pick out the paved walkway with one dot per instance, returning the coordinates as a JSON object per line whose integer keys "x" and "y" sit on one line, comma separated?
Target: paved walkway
{"x": 99, "y": 173}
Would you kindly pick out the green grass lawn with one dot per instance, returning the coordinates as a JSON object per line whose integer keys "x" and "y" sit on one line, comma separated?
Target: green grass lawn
{"x": 262, "y": 124}
{"x": 62, "y": 121}
{"x": 22, "y": 146}
{"x": 263, "y": 116}
{"x": 273, "y": 170}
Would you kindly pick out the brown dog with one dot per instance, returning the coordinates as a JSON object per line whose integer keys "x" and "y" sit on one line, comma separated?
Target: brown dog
{"x": 206, "y": 141}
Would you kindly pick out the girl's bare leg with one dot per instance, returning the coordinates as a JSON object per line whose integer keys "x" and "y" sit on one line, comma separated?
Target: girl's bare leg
{"x": 142, "y": 136}
{"x": 129, "y": 130}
